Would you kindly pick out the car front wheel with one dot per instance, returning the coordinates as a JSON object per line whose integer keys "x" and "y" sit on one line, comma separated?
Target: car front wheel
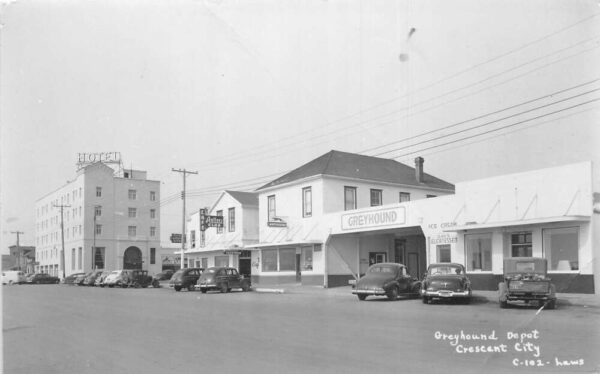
{"x": 224, "y": 288}
{"x": 425, "y": 300}
{"x": 190, "y": 287}
{"x": 177, "y": 288}
{"x": 362, "y": 297}
{"x": 392, "y": 294}
{"x": 245, "y": 287}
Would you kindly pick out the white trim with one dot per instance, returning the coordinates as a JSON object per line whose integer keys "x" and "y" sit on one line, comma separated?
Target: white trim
{"x": 534, "y": 221}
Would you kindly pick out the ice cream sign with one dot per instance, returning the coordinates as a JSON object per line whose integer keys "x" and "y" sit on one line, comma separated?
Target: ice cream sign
{"x": 374, "y": 219}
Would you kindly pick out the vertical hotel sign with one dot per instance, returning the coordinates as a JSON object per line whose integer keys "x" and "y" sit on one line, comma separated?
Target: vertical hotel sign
{"x": 374, "y": 219}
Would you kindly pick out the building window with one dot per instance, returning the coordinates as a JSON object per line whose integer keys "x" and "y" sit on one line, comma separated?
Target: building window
{"x": 404, "y": 196}
{"x": 152, "y": 256}
{"x": 306, "y": 259}
{"x": 221, "y": 261}
{"x": 231, "y": 219}
{"x": 152, "y": 213}
{"x": 152, "y": 231}
{"x": 132, "y": 212}
{"x": 132, "y": 194}
{"x": 80, "y": 259}
{"x": 307, "y": 202}
{"x": 561, "y": 248}
{"x": 349, "y": 198}
{"x": 132, "y": 230}
{"x": 98, "y": 191}
{"x": 98, "y": 229}
{"x": 271, "y": 208}
{"x": 430, "y": 196}
{"x": 520, "y": 244}
{"x": 479, "y": 251}
{"x": 376, "y": 197}
{"x": 193, "y": 238}
{"x": 204, "y": 262}
{"x": 219, "y": 228}
{"x": 287, "y": 259}
{"x": 269, "y": 260}
{"x": 152, "y": 196}
{"x": 443, "y": 253}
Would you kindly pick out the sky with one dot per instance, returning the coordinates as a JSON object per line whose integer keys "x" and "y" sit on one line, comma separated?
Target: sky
{"x": 244, "y": 91}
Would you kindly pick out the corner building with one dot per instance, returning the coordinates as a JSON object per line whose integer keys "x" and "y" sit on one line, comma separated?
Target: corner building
{"x": 111, "y": 221}
{"x": 296, "y": 243}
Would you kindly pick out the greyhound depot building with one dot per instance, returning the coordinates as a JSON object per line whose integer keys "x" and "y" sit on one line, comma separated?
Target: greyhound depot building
{"x": 326, "y": 222}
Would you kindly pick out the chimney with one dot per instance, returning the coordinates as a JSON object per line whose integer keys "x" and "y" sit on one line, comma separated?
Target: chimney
{"x": 419, "y": 169}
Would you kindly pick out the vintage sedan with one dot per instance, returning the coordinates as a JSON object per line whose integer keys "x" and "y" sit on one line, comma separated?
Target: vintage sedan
{"x": 43, "y": 278}
{"x": 118, "y": 278}
{"x": 387, "y": 279}
{"x": 222, "y": 279}
{"x": 446, "y": 281}
{"x": 185, "y": 278}
{"x": 526, "y": 279}
{"x": 71, "y": 278}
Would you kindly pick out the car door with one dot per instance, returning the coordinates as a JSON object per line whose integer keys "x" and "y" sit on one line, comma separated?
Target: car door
{"x": 403, "y": 280}
{"x": 221, "y": 276}
{"x": 234, "y": 278}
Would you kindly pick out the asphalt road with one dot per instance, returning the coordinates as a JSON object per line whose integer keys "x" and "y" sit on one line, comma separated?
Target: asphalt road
{"x": 69, "y": 329}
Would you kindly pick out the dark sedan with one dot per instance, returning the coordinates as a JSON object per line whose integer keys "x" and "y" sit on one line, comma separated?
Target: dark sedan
{"x": 185, "y": 278}
{"x": 387, "y": 279}
{"x": 42, "y": 278}
{"x": 164, "y": 275}
{"x": 446, "y": 281}
{"x": 222, "y": 279}
{"x": 71, "y": 278}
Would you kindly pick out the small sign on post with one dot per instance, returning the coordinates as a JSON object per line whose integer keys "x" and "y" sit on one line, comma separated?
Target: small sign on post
{"x": 175, "y": 238}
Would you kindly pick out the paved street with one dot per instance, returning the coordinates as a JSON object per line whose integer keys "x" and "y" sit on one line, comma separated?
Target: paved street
{"x": 69, "y": 329}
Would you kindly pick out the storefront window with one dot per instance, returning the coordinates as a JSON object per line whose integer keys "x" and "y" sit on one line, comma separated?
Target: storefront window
{"x": 479, "y": 251}
{"x": 269, "y": 260}
{"x": 521, "y": 244}
{"x": 306, "y": 259}
{"x": 561, "y": 248}
{"x": 221, "y": 261}
{"x": 287, "y": 259}
{"x": 443, "y": 253}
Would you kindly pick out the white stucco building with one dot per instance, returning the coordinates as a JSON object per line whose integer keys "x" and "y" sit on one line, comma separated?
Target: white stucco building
{"x": 118, "y": 213}
{"x": 226, "y": 245}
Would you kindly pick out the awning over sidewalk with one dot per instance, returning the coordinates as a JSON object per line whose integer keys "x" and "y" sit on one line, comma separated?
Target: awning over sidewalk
{"x": 283, "y": 244}
{"x": 524, "y": 222}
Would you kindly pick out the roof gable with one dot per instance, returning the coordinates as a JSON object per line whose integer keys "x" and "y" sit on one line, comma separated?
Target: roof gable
{"x": 355, "y": 166}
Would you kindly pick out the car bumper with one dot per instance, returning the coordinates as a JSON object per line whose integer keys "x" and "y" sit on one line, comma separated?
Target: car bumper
{"x": 379, "y": 291}
{"x": 446, "y": 294}
{"x": 206, "y": 286}
{"x": 529, "y": 297}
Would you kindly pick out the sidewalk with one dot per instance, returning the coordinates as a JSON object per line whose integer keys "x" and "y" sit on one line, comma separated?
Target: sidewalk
{"x": 578, "y": 299}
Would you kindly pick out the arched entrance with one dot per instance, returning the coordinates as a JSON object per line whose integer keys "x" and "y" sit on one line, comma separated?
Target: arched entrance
{"x": 132, "y": 258}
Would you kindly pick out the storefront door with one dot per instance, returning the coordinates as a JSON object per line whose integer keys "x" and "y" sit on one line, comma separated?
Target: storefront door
{"x": 298, "y": 272}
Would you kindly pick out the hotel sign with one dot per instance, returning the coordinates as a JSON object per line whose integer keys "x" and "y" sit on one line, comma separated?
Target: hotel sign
{"x": 104, "y": 157}
{"x": 374, "y": 219}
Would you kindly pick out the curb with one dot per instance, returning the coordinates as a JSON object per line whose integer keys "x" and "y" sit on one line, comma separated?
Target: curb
{"x": 269, "y": 290}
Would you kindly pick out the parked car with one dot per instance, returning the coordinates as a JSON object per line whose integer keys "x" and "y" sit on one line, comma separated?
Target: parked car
{"x": 13, "y": 277}
{"x": 446, "y": 281}
{"x": 100, "y": 280}
{"x": 80, "y": 278}
{"x": 387, "y": 279}
{"x": 90, "y": 279}
{"x": 140, "y": 278}
{"x": 119, "y": 278}
{"x": 71, "y": 278}
{"x": 222, "y": 279}
{"x": 526, "y": 279}
{"x": 43, "y": 278}
{"x": 164, "y": 275}
{"x": 185, "y": 278}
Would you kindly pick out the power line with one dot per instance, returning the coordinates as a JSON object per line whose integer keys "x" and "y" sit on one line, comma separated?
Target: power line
{"x": 361, "y": 123}
{"x": 492, "y": 122}
{"x": 498, "y": 129}
{"x": 524, "y": 46}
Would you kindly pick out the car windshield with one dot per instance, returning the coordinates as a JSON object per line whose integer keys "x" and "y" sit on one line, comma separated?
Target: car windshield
{"x": 211, "y": 271}
{"x": 383, "y": 269}
{"x": 445, "y": 270}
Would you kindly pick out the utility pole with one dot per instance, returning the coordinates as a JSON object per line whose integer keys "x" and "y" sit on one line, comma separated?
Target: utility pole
{"x": 19, "y": 247}
{"x": 184, "y": 172}
{"x": 62, "y": 234}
